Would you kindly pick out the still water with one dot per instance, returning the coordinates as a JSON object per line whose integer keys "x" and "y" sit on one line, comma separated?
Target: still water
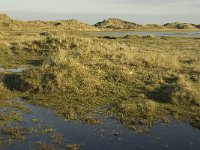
{"x": 173, "y": 136}
{"x": 124, "y": 33}
{"x": 17, "y": 70}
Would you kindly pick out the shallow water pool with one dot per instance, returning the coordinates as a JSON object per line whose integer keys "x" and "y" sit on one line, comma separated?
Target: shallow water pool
{"x": 174, "y": 34}
{"x": 17, "y": 70}
{"x": 111, "y": 135}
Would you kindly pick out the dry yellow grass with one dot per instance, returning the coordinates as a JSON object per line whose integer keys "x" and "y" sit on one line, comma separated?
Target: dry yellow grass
{"x": 148, "y": 77}
{"x": 138, "y": 79}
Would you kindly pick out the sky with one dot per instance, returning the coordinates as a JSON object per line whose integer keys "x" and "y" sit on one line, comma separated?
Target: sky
{"x": 141, "y": 11}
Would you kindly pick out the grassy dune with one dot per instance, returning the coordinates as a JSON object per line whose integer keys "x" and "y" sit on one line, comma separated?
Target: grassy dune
{"x": 7, "y": 23}
{"x": 118, "y": 24}
{"x": 137, "y": 79}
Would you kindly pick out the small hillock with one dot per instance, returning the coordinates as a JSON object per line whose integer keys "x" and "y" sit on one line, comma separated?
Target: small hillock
{"x": 179, "y": 25}
{"x": 114, "y": 23}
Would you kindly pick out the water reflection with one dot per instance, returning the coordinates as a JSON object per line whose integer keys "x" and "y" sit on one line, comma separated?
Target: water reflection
{"x": 174, "y": 34}
{"x": 17, "y": 70}
{"x": 111, "y": 135}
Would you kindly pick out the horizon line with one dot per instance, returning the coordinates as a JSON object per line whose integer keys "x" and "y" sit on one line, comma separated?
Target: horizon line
{"x": 23, "y": 18}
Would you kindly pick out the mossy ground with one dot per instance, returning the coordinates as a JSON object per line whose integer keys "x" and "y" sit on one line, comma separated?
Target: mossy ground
{"x": 139, "y": 80}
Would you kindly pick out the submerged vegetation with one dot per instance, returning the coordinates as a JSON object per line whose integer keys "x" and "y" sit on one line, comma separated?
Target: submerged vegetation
{"x": 139, "y": 80}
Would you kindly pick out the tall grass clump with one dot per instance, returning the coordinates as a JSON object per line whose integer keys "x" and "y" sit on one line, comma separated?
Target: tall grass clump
{"x": 138, "y": 84}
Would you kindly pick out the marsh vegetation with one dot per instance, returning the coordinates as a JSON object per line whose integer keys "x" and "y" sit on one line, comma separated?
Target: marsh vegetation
{"x": 138, "y": 80}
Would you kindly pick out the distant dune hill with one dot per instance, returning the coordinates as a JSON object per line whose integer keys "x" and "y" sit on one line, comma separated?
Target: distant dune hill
{"x": 114, "y": 23}
{"x": 179, "y": 25}
{"x": 73, "y": 25}
{"x": 155, "y": 26}
{"x": 7, "y": 23}
{"x": 198, "y": 26}
{"x": 4, "y": 17}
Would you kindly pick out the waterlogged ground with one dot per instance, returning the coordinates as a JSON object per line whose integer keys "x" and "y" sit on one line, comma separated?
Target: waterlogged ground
{"x": 18, "y": 70}
{"x": 84, "y": 91}
{"x": 109, "y": 135}
{"x": 172, "y": 34}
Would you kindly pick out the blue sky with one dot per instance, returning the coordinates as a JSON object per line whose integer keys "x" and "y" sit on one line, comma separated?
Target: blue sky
{"x": 181, "y": 10}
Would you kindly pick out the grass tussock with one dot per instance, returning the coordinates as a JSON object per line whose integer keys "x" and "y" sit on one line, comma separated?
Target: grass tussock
{"x": 137, "y": 79}
{"x": 138, "y": 83}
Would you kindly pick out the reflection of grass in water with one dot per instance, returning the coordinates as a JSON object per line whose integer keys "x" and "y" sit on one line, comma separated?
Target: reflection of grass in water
{"x": 9, "y": 115}
{"x": 11, "y": 119}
